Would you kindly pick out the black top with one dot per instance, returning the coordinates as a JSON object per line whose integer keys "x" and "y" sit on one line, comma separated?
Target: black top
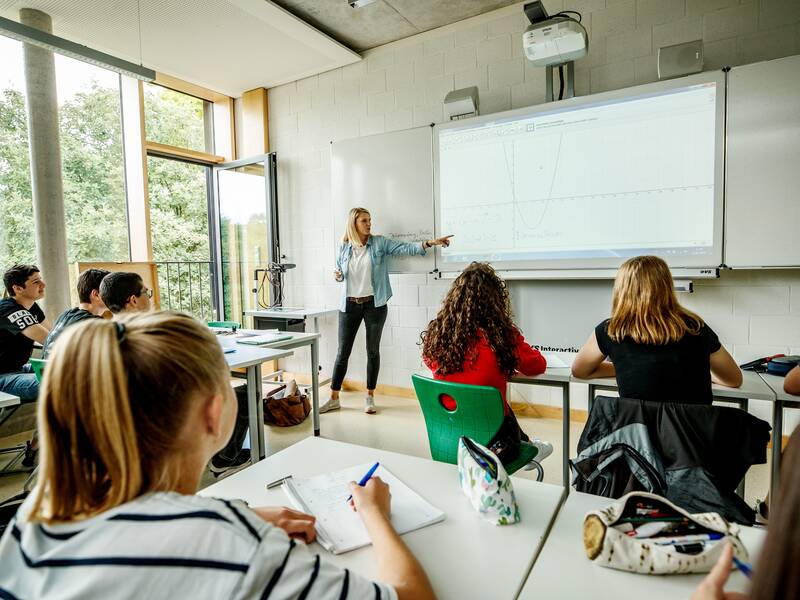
{"x": 15, "y": 348}
{"x": 65, "y": 319}
{"x": 675, "y": 372}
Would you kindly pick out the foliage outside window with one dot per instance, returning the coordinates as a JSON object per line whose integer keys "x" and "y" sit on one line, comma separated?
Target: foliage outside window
{"x": 178, "y": 193}
{"x": 92, "y": 164}
{"x": 177, "y": 119}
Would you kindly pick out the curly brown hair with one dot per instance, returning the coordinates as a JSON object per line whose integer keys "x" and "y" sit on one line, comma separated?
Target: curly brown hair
{"x": 476, "y": 303}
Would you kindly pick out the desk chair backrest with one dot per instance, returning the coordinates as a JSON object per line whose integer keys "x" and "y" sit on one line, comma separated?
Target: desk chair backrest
{"x": 478, "y": 414}
{"x": 227, "y": 324}
{"x": 38, "y": 367}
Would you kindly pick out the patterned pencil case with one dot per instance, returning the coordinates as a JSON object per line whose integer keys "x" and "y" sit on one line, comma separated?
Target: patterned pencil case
{"x": 485, "y": 482}
{"x": 645, "y": 533}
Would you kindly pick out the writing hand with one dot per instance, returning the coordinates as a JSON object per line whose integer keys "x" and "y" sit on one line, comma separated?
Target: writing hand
{"x": 373, "y": 496}
{"x": 713, "y": 586}
{"x": 295, "y": 523}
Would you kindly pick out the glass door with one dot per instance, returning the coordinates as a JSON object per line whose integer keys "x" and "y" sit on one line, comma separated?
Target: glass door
{"x": 246, "y": 234}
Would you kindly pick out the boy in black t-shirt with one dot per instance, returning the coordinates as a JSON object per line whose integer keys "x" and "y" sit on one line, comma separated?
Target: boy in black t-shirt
{"x": 91, "y": 306}
{"x": 22, "y": 323}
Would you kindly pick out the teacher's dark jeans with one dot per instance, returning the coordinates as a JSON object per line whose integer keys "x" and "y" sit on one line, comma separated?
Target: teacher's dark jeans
{"x": 349, "y": 322}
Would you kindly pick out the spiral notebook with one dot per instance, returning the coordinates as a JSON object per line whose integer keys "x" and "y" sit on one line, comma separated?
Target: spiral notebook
{"x": 339, "y": 528}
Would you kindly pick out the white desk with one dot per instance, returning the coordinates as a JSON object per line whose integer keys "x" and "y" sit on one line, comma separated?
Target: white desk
{"x": 284, "y": 312}
{"x": 464, "y": 556}
{"x": 559, "y": 378}
{"x": 752, "y": 387}
{"x": 298, "y": 340}
{"x": 287, "y": 312}
{"x": 782, "y": 400}
{"x": 7, "y": 400}
{"x": 250, "y": 359}
{"x": 563, "y": 571}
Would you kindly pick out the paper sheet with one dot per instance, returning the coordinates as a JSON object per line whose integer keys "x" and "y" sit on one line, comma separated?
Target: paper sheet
{"x": 339, "y": 528}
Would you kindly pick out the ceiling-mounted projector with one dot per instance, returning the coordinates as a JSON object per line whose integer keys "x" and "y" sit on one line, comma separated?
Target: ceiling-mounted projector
{"x": 555, "y": 41}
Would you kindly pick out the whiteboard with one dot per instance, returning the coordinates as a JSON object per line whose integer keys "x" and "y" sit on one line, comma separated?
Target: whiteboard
{"x": 587, "y": 182}
{"x": 762, "y": 206}
{"x": 391, "y": 175}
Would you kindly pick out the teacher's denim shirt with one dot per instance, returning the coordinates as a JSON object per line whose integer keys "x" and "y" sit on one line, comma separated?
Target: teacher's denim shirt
{"x": 380, "y": 249}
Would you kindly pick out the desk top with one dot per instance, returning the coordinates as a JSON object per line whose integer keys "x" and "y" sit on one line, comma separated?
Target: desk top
{"x": 247, "y": 356}
{"x": 7, "y": 400}
{"x": 562, "y": 570}
{"x": 752, "y": 387}
{"x": 775, "y": 383}
{"x": 463, "y": 555}
{"x": 284, "y": 312}
{"x": 295, "y": 341}
{"x": 557, "y": 375}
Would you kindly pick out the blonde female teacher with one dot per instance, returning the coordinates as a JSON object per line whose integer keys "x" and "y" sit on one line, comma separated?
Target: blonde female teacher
{"x": 362, "y": 268}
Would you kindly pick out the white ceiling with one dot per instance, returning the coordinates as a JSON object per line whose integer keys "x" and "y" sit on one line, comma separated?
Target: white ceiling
{"x": 229, "y": 46}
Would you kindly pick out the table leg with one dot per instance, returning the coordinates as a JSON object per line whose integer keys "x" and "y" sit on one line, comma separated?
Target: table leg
{"x": 255, "y": 413}
{"x": 315, "y": 384}
{"x": 590, "y": 401}
{"x": 777, "y": 437}
{"x": 744, "y": 404}
{"x": 565, "y": 436}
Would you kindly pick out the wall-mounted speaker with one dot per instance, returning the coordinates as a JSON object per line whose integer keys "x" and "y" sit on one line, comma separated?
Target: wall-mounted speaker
{"x": 680, "y": 59}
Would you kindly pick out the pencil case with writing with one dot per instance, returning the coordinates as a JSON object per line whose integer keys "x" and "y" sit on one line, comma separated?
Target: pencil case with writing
{"x": 676, "y": 541}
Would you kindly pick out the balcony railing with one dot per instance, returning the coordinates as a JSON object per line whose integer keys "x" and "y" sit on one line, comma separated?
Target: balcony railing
{"x": 186, "y": 286}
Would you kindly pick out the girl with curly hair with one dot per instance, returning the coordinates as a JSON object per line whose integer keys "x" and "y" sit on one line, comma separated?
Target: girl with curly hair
{"x": 474, "y": 340}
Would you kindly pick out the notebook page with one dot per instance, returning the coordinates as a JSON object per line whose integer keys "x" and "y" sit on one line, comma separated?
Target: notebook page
{"x": 325, "y": 497}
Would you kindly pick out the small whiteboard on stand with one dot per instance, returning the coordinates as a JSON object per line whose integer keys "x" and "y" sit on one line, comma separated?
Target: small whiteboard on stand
{"x": 391, "y": 175}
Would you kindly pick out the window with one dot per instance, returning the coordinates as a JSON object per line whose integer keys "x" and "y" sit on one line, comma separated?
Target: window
{"x": 91, "y": 155}
{"x": 92, "y": 164}
{"x": 16, "y": 209}
{"x": 179, "y": 191}
{"x": 177, "y": 119}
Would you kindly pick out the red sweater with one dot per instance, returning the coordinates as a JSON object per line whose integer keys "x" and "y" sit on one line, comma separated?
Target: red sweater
{"x": 484, "y": 370}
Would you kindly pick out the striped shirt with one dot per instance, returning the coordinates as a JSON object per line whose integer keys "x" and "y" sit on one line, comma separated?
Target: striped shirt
{"x": 167, "y": 545}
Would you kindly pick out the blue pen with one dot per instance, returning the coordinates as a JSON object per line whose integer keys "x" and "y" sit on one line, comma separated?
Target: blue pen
{"x": 746, "y": 569}
{"x": 365, "y": 478}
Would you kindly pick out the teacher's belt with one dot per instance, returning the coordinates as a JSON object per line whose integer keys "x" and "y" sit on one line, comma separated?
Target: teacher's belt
{"x": 362, "y": 300}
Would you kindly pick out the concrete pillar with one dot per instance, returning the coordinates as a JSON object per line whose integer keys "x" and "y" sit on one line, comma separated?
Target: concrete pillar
{"x": 45, "y": 152}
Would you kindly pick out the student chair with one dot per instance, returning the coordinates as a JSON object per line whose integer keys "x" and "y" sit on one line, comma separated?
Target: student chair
{"x": 38, "y": 367}
{"x": 234, "y": 325}
{"x": 478, "y": 415}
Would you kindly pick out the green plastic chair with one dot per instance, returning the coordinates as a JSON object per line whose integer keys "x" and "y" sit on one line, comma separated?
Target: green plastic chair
{"x": 478, "y": 415}
{"x": 38, "y": 365}
{"x": 228, "y": 324}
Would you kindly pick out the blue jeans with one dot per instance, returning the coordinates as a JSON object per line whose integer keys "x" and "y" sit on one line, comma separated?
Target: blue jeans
{"x": 21, "y": 383}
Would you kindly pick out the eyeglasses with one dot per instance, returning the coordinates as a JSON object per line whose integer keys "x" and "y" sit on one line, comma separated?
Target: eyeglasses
{"x": 146, "y": 292}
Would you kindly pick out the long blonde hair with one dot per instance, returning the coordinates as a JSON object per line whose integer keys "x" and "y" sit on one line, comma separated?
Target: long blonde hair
{"x": 644, "y": 307}
{"x": 351, "y": 231}
{"x": 114, "y": 399}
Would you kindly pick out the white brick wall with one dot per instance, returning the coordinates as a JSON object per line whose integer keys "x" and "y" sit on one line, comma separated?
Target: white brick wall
{"x": 402, "y": 84}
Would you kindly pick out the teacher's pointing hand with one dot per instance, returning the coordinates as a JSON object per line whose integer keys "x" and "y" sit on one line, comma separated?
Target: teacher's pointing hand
{"x": 442, "y": 241}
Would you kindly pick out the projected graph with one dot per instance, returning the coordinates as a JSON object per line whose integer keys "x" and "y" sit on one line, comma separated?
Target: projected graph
{"x": 598, "y": 180}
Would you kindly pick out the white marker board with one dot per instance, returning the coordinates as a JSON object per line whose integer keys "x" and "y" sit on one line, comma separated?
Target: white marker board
{"x": 762, "y": 206}
{"x": 391, "y": 175}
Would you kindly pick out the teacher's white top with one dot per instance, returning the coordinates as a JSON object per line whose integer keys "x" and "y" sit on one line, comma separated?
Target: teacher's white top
{"x": 359, "y": 274}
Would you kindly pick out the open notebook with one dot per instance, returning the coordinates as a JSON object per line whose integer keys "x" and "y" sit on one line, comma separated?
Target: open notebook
{"x": 339, "y": 528}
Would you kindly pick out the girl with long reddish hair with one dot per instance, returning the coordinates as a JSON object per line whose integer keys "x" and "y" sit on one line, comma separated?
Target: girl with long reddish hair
{"x": 658, "y": 350}
{"x": 473, "y": 340}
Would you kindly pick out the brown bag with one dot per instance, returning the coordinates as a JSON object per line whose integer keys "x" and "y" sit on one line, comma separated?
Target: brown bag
{"x": 286, "y": 410}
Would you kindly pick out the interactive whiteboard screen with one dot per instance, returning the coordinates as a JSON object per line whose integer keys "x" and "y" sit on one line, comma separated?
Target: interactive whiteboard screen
{"x": 587, "y": 182}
